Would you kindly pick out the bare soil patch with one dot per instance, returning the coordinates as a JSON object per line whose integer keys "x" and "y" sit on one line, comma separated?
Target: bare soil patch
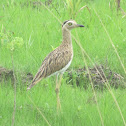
{"x": 100, "y": 77}
{"x": 7, "y": 75}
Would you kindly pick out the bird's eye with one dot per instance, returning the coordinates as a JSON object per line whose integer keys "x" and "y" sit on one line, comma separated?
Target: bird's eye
{"x": 69, "y": 24}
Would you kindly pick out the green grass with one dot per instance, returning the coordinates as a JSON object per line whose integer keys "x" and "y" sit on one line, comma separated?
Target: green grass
{"x": 40, "y": 31}
{"x": 77, "y": 109}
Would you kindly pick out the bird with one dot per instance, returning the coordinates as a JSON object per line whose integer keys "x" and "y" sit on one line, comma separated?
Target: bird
{"x": 58, "y": 61}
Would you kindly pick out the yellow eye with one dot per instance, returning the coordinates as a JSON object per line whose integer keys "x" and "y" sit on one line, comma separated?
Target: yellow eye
{"x": 69, "y": 24}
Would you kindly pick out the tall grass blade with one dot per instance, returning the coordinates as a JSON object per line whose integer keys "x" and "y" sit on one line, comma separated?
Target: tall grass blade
{"x": 39, "y": 112}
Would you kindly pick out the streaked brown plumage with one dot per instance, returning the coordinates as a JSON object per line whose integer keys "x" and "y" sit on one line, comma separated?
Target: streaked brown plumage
{"x": 59, "y": 59}
{"x": 62, "y": 56}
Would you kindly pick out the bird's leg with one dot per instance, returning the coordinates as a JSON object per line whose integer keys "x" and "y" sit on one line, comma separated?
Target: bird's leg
{"x": 60, "y": 81}
{"x": 57, "y": 92}
{"x": 59, "y": 84}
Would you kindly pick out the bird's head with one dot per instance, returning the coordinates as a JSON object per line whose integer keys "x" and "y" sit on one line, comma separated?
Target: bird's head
{"x": 70, "y": 24}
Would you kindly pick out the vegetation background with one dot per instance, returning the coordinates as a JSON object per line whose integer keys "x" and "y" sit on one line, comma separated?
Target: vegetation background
{"x": 29, "y": 30}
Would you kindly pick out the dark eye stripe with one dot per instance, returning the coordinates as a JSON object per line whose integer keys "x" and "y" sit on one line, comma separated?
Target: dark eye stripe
{"x": 65, "y": 22}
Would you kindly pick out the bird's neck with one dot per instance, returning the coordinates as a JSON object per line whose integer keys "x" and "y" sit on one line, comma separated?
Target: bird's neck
{"x": 66, "y": 37}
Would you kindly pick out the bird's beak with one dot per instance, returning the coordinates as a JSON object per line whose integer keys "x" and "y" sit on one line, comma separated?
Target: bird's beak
{"x": 78, "y": 25}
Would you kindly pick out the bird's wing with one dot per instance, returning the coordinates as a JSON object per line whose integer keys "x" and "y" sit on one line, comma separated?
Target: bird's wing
{"x": 55, "y": 61}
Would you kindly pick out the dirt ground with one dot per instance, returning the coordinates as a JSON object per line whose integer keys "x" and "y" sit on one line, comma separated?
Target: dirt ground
{"x": 99, "y": 75}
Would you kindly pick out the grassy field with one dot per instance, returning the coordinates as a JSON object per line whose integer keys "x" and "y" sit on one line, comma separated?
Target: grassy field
{"x": 40, "y": 29}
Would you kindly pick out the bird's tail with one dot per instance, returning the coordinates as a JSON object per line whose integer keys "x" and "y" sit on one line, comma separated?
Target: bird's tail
{"x": 30, "y": 86}
{"x": 34, "y": 82}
